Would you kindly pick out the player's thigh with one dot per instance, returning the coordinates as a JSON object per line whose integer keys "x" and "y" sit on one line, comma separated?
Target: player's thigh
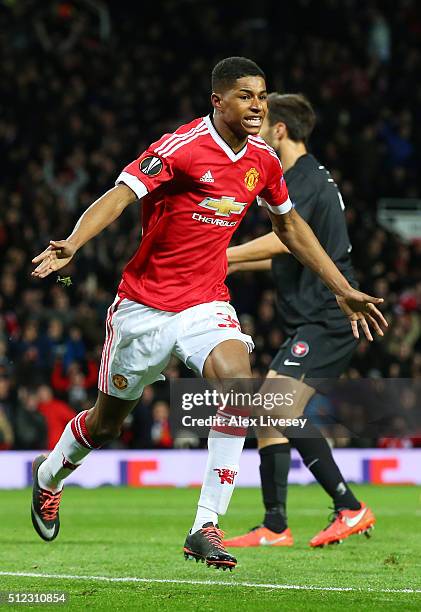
{"x": 284, "y": 396}
{"x": 227, "y": 360}
{"x": 270, "y": 436}
{"x": 138, "y": 346}
{"x": 212, "y": 344}
{"x": 227, "y": 368}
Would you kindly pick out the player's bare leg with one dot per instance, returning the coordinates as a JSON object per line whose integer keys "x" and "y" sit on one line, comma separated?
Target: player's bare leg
{"x": 228, "y": 360}
{"x": 89, "y": 430}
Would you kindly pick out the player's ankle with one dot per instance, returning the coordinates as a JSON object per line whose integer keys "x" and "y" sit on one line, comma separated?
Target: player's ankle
{"x": 203, "y": 516}
{"x": 275, "y": 520}
{"x": 340, "y": 504}
{"x": 46, "y": 481}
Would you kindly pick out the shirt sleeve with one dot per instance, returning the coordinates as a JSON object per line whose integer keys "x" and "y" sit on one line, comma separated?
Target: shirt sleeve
{"x": 275, "y": 196}
{"x": 147, "y": 173}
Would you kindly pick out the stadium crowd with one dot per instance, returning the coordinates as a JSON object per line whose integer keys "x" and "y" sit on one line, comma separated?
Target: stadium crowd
{"x": 86, "y": 87}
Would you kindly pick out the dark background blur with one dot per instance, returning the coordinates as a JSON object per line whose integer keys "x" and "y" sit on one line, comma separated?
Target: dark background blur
{"x": 87, "y": 85}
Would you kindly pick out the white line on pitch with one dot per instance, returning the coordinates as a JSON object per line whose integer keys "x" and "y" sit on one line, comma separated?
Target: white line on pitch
{"x": 255, "y": 585}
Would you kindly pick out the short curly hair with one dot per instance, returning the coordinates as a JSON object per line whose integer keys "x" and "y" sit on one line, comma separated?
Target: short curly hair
{"x": 228, "y": 70}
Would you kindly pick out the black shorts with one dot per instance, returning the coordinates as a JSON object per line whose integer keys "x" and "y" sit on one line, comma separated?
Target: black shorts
{"x": 315, "y": 351}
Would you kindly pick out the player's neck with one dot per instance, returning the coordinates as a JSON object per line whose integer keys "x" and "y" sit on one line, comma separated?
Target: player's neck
{"x": 225, "y": 132}
{"x": 289, "y": 151}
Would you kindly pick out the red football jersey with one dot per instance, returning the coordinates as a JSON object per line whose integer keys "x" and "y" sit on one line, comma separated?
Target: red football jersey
{"x": 195, "y": 191}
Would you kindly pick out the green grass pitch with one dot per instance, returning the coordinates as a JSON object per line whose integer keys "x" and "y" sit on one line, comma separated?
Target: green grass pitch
{"x": 139, "y": 533}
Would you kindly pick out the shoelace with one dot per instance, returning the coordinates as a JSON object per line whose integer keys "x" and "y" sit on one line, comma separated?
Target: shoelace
{"x": 215, "y": 536}
{"x": 332, "y": 517}
{"x": 50, "y": 503}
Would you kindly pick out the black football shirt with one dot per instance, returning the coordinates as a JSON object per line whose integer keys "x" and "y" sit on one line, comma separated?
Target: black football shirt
{"x": 301, "y": 296}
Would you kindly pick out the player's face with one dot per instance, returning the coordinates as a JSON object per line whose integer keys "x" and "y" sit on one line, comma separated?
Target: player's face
{"x": 244, "y": 105}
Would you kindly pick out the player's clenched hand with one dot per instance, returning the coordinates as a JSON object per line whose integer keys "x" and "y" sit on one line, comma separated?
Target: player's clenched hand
{"x": 360, "y": 308}
{"x": 56, "y": 256}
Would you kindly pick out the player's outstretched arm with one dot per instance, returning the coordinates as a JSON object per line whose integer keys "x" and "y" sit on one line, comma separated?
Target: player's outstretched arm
{"x": 359, "y": 307}
{"x": 99, "y": 215}
{"x": 250, "y": 266}
{"x": 264, "y": 247}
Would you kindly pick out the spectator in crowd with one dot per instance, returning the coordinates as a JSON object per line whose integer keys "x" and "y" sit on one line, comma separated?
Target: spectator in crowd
{"x": 52, "y": 343}
{"x": 149, "y": 422}
{"x": 6, "y": 412}
{"x": 160, "y": 430}
{"x": 75, "y": 349}
{"x": 56, "y": 413}
{"x": 68, "y": 183}
{"x": 66, "y": 380}
{"x": 6, "y": 431}
{"x": 29, "y": 425}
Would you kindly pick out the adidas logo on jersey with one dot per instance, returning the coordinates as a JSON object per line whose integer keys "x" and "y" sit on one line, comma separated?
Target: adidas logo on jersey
{"x": 207, "y": 177}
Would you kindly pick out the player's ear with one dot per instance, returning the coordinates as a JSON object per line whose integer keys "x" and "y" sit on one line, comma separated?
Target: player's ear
{"x": 216, "y": 100}
{"x": 281, "y": 131}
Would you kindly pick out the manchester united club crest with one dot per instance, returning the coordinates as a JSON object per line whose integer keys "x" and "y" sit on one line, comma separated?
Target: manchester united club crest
{"x": 300, "y": 349}
{"x": 251, "y": 178}
{"x": 120, "y": 382}
{"x": 226, "y": 475}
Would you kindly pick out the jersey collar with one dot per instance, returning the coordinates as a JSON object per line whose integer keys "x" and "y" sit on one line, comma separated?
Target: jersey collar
{"x": 221, "y": 142}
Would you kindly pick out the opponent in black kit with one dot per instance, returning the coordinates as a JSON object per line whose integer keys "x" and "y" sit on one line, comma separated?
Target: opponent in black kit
{"x": 319, "y": 344}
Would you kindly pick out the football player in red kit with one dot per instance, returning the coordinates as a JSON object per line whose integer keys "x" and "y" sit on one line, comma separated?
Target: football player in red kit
{"x": 195, "y": 185}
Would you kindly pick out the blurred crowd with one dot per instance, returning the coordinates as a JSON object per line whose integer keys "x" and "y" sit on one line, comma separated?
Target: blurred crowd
{"x": 87, "y": 86}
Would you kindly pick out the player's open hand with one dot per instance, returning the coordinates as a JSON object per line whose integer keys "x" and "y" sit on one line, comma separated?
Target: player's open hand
{"x": 360, "y": 308}
{"x": 57, "y": 255}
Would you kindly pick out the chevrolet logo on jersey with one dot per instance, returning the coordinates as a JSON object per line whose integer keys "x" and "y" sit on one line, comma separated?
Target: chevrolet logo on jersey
{"x": 224, "y": 207}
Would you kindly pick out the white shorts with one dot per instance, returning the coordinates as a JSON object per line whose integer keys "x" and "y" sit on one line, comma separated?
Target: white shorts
{"x": 140, "y": 340}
